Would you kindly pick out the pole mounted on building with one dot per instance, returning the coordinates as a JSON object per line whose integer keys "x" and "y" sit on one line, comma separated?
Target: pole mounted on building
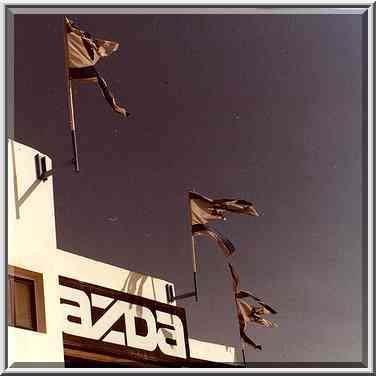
{"x": 171, "y": 297}
{"x": 169, "y": 290}
{"x": 194, "y": 261}
{"x": 72, "y": 124}
{"x": 41, "y": 168}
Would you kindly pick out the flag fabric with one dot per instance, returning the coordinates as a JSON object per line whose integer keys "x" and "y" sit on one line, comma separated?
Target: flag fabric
{"x": 246, "y": 294}
{"x": 235, "y": 279}
{"x": 84, "y": 51}
{"x": 236, "y": 206}
{"x": 204, "y": 209}
{"x": 225, "y": 244}
{"x": 248, "y": 313}
{"x": 253, "y": 314}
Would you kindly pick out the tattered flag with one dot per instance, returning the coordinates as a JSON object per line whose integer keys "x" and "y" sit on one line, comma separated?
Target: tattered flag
{"x": 240, "y": 294}
{"x": 247, "y": 312}
{"x": 84, "y": 51}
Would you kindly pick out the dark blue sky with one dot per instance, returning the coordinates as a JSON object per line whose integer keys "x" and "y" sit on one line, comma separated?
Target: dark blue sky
{"x": 266, "y": 108}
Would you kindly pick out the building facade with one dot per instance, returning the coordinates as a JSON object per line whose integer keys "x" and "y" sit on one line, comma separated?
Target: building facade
{"x": 65, "y": 310}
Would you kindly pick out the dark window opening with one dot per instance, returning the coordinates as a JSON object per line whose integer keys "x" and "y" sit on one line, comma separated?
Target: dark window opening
{"x": 24, "y": 307}
{"x": 25, "y": 300}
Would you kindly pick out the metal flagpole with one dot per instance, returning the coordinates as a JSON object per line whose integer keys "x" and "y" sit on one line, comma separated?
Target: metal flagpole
{"x": 243, "y": 353}
{"x": 194, "y": 262}
{"x": 72, "y": 124}
{"x": 194, "y": 267}
{"x": 241, "y": 339}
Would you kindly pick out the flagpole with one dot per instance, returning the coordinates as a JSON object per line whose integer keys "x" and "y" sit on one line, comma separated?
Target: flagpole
{"x": 194, "y": 262}
{"x": 73, "y": 126}
{"x": 194, "y": 267}
{"x": 243, "y": 353}
{"x": 71, "y": 120}
{"x": 241, "y": 339}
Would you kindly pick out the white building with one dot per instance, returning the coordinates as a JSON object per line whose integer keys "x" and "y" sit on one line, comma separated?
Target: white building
{"x": 68, "y": 310}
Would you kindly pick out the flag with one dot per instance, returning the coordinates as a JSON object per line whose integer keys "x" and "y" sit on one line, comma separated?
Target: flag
{"x": 225, "y": 244}
{"x": 246, "y": 312}
{"x": 84, "y": 51}
{"x": 240, "y": 294}
{"x": 204, "y": 209}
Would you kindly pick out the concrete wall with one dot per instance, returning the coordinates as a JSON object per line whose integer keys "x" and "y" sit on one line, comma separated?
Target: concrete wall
{"x": 32, "y": 246}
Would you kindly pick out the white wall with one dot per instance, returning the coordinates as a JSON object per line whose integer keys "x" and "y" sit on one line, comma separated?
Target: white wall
{"x": 31, "y": 214}
{"x": 212, "y": 351}
{"x": 31, "y": 245}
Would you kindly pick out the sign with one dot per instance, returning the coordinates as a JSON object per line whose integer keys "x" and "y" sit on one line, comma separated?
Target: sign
{"x": 116, "y": 323}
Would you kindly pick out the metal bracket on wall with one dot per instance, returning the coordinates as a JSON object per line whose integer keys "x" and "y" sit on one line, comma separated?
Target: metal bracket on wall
{"x": 41, "y": 168}
{"x": 170, "y": 294}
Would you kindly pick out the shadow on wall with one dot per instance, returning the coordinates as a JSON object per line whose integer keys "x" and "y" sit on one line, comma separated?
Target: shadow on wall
{"x": 20, "y": 200}
{"x": 134, "y": 284}
{"x": 130, "y": 287}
